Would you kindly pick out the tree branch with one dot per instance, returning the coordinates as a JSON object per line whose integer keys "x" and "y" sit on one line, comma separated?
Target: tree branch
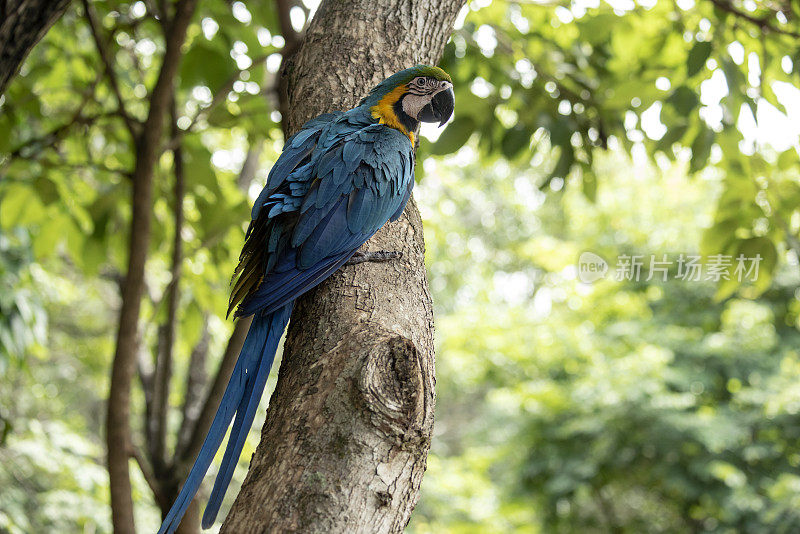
{"x": 22, "y": 25}
{"x": 145, "y": 370}
{"x": 193, "y": 395}
{"x": 146, "y": 470}
{"x": 157, "y": 423}
{"x": 50, "y": 138}
{"x": 292, "y": 40}
{"x": 88, "y": 165}
{"x": 54, "y": 135}
{"x": 762, "y": 22}
{"x": 186, "y": 455}
{"x": 249, "y": 167}
{"x": 148, "y": 145}
{"x": 102, "y": 49}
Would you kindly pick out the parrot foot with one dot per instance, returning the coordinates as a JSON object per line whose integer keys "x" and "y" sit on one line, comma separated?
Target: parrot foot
{"x": 378, "y": 256}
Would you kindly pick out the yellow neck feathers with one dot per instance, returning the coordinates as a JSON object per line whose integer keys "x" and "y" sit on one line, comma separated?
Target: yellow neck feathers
{"x": 384, "y": 111}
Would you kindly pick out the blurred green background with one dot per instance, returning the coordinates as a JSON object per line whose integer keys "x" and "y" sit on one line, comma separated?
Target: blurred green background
{"x": 619, "y": 128}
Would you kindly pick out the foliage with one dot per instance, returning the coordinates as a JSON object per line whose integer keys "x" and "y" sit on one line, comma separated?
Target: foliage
{"x": 68, "y": 156}
{"x": 52, "y": 460}
{"x": 621, "y": 406}
{"x": 671, "y": 80}
{"x": 617, "y": 407}
{"x": 23, "y": 321}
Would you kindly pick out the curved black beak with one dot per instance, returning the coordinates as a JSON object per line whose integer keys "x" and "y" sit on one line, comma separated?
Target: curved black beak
{"x": 440, "y": 107}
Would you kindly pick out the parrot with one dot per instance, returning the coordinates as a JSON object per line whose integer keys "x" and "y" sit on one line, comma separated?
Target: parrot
{"x": 338, "y": 180}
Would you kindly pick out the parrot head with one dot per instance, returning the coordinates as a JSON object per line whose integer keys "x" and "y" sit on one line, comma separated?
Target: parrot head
{"x": 418, "y": 94}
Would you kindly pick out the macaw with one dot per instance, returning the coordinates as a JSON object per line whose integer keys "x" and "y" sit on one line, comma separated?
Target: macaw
{"x": 337, "y": 181}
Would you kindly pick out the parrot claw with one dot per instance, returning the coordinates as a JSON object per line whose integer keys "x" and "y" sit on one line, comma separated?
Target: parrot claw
{"x": 378, "y": 256}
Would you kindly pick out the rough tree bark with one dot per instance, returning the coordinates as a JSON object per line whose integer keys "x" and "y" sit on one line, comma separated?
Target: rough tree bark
{"x": 22, "y": 24}
{"x": 348, "y": 429}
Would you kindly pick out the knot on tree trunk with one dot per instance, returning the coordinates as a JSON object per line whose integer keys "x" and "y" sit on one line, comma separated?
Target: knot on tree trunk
{"x": 346, "y": 431}
{"x": 392, "y": 383}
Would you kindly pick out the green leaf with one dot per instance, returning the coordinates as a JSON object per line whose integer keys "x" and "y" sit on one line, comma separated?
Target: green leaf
{"x": 589, "y": 184}
{"x": 716, "y": 239}
{"x": 50, "y": 234}
{"x": 683, "y": 99}
{"x": 564, "y": 163}
{"x": 20, "y": 205}
{"x": 93, "y": 255}
{"x": 734, "y": 76}
{"x": 559, "y": 132}
{"x": 675, "y": 133}
{"x": 769, "y": 96}
{"x": 753, "y": 262}
{"x": 787, "y": 159}
{"x": 455, "y": 135}
{"x": 199, "y": 170}
{"x": 46, "y": 189}
{"x": 697, "y": 58}
{"x": 514, "y": 140}
{"x": 701, "y": 149}
{"x": 204, "y": 65}
{"x": 763, "y": 248}
{"x": 12, "y": 204}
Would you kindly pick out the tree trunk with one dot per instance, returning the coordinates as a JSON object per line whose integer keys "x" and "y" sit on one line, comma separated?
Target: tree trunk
{"x": 22, "y": 24}
{"x": 345, "y": 443}
{"x": 148, "y": 146}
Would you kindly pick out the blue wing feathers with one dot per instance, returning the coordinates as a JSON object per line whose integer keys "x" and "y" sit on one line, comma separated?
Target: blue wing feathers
{"x": 296, "y": 149}
{"x": 380, "y": 214}
{"x": 340, "y": 174}
{"x": 274, "y": 236}
{"x": 302, "y": 136}
{"x": 253, "y": 349}
{"x": 328, "y": 161}
{"x": 256, "y": 379}
{"x": 327, "y": 236}
{"x": 338, "y": 180}
{"x": 402, "y": 206}
{"x": 310, "y": 199}
{"x": 357, "y": 209}
{"x": 298, "y": 282}
{"x": 327, "y": 192}
{"x": 306, "y": 224}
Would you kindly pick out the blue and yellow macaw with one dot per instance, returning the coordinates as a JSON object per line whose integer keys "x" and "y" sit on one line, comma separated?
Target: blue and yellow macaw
{"x": 338, "y": 180}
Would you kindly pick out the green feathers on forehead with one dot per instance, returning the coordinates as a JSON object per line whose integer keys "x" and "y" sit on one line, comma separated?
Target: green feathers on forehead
{"x": 402, "y": 77}
{"x": 429, "y": 71}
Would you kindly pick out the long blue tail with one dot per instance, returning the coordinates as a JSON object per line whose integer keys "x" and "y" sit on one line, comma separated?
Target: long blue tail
{"x": 241, "y": 399}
